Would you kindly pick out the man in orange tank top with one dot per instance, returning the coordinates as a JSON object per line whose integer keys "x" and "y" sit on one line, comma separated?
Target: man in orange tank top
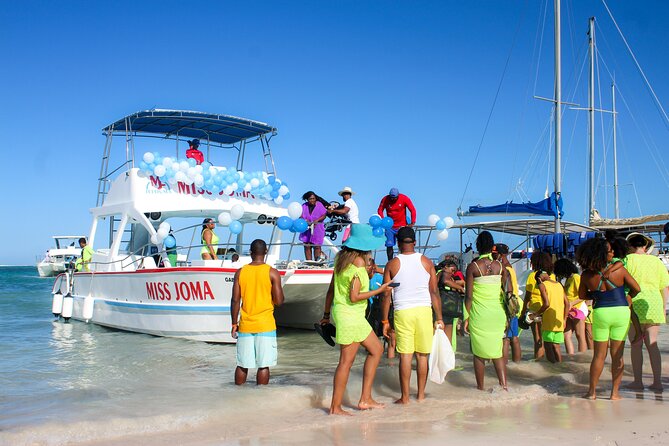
{"x": 256, "y": 291}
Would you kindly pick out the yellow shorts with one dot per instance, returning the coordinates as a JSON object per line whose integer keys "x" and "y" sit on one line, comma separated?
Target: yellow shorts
{"x": 413, "y": 328}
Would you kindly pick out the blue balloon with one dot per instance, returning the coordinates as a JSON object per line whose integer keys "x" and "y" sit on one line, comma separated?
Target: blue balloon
{"x": 300, "y": 225}
{"x": 235, "y": 227}
{"x": 208, "y": 184}
{"x": 284, "y": 223}
{"x": 274, "y": 194}
{"x": 287, "y": 196}
{"x": 271, "y": 179}
{"x": 143, "y": 166}
{"x": 375, "y": 221}
{"x": 206, "y": 165}
{"x": 387, "y": 222}
{"x": 378, "y": 231}
{"x": 440, "y": 225}
{"x": 192, "y": 162}
{"x": 170, "y": 242}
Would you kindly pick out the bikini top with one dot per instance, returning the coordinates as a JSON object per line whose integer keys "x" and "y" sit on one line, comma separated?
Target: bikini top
{"x": 488, "y": 267}
{"x": 615, "y": 297}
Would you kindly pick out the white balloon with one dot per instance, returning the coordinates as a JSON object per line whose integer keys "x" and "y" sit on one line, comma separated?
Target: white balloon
{"x": 180, "y": 176}
{"x": 148, "y": 157}
{"x": 159, "y": 170}
{"x": 199, "y": 180}
{"x": 172, "y": 181}
{"x": 432, "y": 219}
{"x": 241, "y": 174}
{"x": 278, "y": 200}
{"x": 167, "y": 161}
{"x": 184, "y": 166}
{"x": 237, "y": 212}
{"x": 248, "y": 187}
{"x": 255, "y": 183}
{"x": 198, "y": 168}
{"x": 234, "y": 186}
{"x": 188, "y": 180}
{"x": 294, "y": 210}
{"x": 283, "y": 190}
{"x": 228, "y": 190}
{"x": 224, "y": 218}
{"x": 449, "y": 222}
{"x": 442, "y": 235}
{"x": 191, "y": 172}
{"x": 165, "y": 225}
{"x": 154, "y": 239}
{"x": 162, "y": 233}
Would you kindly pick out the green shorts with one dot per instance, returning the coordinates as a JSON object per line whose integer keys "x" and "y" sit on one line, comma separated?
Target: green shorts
{"x": 556, "y": 337}
{"x": 413, "y": 328}
{"x": 610, "y": 323}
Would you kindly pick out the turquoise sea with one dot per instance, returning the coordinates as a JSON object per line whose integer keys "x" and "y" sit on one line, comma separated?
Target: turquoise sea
{"x": 70, "y": 383}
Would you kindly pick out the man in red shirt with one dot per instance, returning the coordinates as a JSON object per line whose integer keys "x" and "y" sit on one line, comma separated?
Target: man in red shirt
{"x": 395, "y": 205}
{"x": 194, "y": 152}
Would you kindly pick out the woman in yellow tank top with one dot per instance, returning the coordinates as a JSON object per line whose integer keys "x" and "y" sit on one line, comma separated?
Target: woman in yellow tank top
{"x": 553, "y": 312}
{"x": 575, "y": 323}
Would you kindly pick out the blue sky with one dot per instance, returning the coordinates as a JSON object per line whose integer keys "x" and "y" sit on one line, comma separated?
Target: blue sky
{"x": 366, "y": 94}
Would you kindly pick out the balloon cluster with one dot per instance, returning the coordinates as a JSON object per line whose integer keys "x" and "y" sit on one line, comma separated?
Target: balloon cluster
{"x": 222, "y": 180}
{"x": 163, "y": 236}
{"x": 379, "y": 225}
{"x": 442, "y": 225}
{"x": 294, "y": 221}
{"x": 231, "y": 219}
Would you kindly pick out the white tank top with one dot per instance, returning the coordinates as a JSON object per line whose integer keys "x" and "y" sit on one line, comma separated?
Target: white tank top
{"x": 414, "y": 289}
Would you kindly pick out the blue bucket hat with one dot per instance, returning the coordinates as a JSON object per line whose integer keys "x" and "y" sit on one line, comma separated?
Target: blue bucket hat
{"x": 362, "y": 238}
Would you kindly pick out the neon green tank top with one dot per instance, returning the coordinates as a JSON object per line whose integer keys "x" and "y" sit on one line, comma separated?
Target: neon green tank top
{"x": 214, "y": 242}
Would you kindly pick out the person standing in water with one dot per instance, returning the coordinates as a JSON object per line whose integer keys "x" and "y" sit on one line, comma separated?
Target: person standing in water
{"x": 485, "y": 305}
{"x": 605, "y": 282}
{"x": 347, "y": 298}
{"x": 256, "y": 291}
{"x": 415, "y": 298}
{"x": 553, "y": 310}
{"x": 649, "y": 306}
{"x": 511, "y": 341}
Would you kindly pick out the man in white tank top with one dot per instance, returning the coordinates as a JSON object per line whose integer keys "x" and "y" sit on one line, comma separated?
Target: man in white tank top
{"x": 414, "y": 299}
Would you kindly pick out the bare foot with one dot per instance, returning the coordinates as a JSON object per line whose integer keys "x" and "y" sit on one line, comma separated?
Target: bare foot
{"x": 634, "y": 385}
{"x": 402, "y": 401}
{"x": 370, "y": 404}
{"x": 615, "y": 397}
{"x": 339, "y": 411}
{"x": 420, "y": 398}
{"x": 590, "y": 396}
{"x": 658, "y": 388}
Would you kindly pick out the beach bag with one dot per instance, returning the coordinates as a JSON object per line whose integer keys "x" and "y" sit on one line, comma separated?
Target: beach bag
{"x": 511, "y": 305}
{"x": 442, "y": 358}
{"x": 451, "y": 303}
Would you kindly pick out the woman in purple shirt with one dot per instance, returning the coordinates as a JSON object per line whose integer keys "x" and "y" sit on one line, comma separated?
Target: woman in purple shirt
{"x": 314, "y": 213}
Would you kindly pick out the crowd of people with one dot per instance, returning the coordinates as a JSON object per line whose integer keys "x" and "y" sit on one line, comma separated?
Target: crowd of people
{"x": 620, "y": 294}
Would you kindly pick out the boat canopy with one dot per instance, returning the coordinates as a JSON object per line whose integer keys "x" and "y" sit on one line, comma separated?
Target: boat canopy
{"x": 217, "y": 129}
{"x": 549, "y": 207}
{"x": 526, "y": 227}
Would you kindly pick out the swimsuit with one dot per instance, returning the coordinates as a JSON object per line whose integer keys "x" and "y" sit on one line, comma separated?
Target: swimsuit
{"x": 610, "y": 314}
{"x": 487, "y": 317}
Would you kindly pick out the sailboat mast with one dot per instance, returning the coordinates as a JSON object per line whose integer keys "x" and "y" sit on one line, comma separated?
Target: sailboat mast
{"x": 615, "y": 151}
{"x": 591, "y": 122}
{"x": 558, "y": 111}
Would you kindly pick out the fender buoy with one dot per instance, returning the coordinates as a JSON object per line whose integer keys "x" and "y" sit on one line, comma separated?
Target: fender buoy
{"x": 68, "y": 304}
{"x": 89, "y": 303}
{"x": 57, "y": 305}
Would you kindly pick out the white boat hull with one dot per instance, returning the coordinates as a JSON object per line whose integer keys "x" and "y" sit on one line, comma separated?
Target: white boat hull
{"x": 190, "y": 303}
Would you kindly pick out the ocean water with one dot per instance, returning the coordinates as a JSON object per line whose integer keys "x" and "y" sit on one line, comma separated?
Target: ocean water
{"x": 80, "y": 383}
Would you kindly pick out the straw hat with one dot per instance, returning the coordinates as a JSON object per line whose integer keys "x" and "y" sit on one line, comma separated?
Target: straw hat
{"x": 362, "y": 238}
{"x": 649, "y": 241}
{"x": 346, "y": 190}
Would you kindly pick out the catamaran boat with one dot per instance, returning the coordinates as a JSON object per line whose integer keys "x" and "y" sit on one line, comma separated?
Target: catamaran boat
{"x": 140, "y": 279}
{"x": 57, "y": 259}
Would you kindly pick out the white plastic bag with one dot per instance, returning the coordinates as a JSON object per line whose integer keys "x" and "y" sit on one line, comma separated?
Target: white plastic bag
{"x": 442, "y": 358}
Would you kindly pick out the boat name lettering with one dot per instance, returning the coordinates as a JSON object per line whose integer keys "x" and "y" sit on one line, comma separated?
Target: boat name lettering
{"x": 179, "y": 290}
{"x": 229, "y": 279}
{"x": 192, "y": 189}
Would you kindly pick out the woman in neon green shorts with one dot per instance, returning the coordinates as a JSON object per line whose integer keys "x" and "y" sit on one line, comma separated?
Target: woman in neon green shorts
{"x": 553, "y": 310}
{"x": 605, "y": 283}
{"x": 649, "y": 305}
{"x": 347, "y": 296}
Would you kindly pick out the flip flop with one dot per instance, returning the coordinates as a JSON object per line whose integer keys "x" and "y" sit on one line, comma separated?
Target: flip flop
{"x": 327, "y": 332}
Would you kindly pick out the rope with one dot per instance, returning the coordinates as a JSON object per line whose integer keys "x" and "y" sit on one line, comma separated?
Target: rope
{"x": 492, "y": 109}
{"x": 652, "y": 92}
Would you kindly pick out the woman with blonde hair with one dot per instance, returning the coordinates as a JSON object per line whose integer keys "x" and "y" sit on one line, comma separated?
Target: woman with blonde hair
{"x": 347, "y": 297}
